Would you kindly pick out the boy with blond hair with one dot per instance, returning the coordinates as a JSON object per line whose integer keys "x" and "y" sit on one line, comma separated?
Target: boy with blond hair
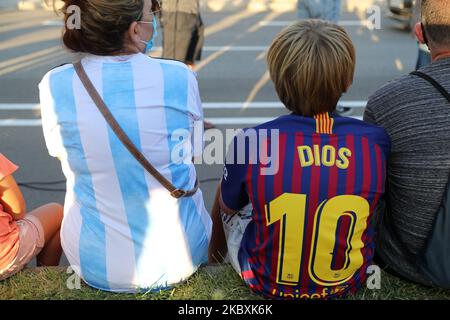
{"x": 304, "y": 231}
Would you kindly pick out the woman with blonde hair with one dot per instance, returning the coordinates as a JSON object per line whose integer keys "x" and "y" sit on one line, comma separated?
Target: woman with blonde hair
{"x": 121, "y": 123}
{"x": 305, "y": 231}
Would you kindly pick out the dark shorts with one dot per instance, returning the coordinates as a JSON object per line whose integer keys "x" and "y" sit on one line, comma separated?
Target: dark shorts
{"x": 183, "y": 36}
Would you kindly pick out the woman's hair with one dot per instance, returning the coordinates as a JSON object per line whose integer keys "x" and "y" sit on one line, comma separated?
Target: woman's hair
{"x": 312, "y": 64}
{"x": 103, "y": 24}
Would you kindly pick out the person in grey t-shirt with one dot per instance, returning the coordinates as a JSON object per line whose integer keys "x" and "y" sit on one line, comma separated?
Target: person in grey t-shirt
{"x": 417, "y": 118}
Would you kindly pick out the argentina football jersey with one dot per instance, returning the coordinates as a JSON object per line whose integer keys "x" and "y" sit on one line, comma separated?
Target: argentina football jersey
{"x": 122, "y": 230}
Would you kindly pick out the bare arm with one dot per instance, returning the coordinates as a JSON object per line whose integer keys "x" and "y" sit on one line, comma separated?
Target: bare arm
{"x": 218, "y": 245}
{"x": 12, "y": 199}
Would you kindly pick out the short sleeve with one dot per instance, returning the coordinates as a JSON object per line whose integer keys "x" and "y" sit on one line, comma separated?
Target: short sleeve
{"x": 369, "y": 115}
{"x": 50, "y": 125}
{"x": 7, "y": 168}
{"x": 234, "y": 192}
{"x": 194, "y": 100}
{"x": 383, "y": 139}
{"x": 196, "y": 112}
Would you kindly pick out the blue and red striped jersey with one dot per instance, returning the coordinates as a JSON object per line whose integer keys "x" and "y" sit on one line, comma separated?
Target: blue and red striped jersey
{"x": 314, "y": 184}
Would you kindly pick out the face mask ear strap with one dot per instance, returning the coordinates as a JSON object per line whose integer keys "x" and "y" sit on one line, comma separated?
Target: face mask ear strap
{"x": 150, "y": 43}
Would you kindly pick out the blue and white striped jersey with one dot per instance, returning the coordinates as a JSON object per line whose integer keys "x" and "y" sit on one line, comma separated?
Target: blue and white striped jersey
{"x": 121, "y": 228}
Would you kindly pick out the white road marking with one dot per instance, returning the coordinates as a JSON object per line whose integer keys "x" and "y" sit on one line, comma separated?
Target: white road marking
{"x": 19, "y": 106}
{"x": 235, "y": 48}
{"x": 224, "y": 49}
{"x": 344, "y": 23}
{"x": 215, "y": 121}
{"x": 356, "y": 104}
{"x": 207, "y": 106}
{"x": 264, "y": 23}
{"x": 53, "y": 23}
{"x": 246, "y": 120}
{"x": 20, "y": 123}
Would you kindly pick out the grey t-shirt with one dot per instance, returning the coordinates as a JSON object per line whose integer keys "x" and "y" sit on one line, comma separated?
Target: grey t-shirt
{"x": 417, "y": 118}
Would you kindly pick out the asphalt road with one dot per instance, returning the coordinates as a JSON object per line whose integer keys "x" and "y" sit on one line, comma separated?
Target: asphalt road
{"x": 232, "y": 71}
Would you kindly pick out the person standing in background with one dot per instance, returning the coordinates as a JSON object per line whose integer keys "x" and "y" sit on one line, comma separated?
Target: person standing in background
{"x": 424, "y": 57}
{"x": 183, "y": 31}
{"x": 329, "y": 10}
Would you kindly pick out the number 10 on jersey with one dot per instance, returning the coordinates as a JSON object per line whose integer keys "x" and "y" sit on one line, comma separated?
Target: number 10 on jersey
{"x": 290, "y": 211}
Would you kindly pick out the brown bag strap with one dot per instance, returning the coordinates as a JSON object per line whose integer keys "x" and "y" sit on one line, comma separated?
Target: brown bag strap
{"x": 174, "y": 191}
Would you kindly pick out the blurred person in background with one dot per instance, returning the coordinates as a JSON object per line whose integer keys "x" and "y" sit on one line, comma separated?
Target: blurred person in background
{"x": 183, "y": 33}
{"x": 183, "y": 30}
{"x": 329, "y": 10}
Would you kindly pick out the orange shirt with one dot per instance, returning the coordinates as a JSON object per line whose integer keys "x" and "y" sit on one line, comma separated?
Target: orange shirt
{"x": 9, "y": 231}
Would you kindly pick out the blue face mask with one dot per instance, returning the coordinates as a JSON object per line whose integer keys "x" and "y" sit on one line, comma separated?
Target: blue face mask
{"x": 150, "y": 43}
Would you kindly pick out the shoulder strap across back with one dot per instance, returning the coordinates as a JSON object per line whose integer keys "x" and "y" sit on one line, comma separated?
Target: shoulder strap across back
{"x": 93, "y": 93}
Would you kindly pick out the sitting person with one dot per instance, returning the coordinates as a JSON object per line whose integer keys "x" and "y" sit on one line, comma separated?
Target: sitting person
{"x": 309, "y": 231}
{"x": 25, "y": 236}
{"x": 123, "y": 230}
{"x": 417, "y": 118}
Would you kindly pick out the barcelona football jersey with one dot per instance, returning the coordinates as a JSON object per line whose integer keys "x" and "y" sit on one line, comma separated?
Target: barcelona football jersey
{"x": 314, "y": 184}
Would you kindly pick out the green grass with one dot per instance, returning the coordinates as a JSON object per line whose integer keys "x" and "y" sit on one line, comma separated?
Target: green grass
{"x": 210, "y": 283}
